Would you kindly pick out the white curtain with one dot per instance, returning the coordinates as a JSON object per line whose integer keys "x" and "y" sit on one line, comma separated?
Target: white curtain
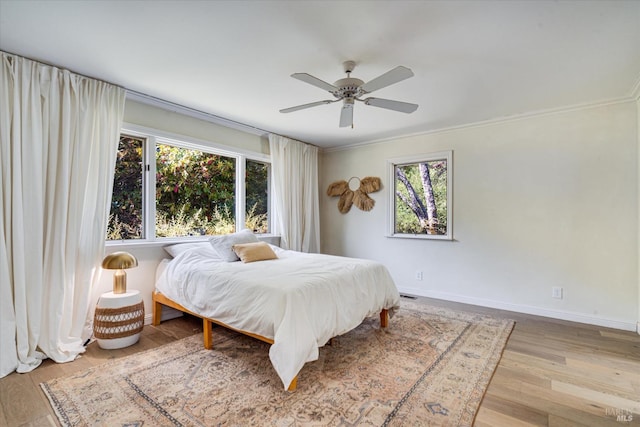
{"x": 59, "y": 136}
{"x": 294, "y": 167}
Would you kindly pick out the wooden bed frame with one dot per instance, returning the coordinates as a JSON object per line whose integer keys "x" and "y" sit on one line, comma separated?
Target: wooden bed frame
{"x": 207, "y": 324}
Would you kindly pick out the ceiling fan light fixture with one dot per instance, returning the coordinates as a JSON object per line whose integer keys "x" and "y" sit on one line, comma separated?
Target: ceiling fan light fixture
{"x": 346, "y": 114}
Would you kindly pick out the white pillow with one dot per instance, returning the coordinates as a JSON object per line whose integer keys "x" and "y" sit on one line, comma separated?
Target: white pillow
{"x": 203, "y": 247}
{"x": 223, "y": 245}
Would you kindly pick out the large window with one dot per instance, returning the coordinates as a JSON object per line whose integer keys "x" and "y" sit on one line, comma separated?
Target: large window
{"x": 167, "y": 188}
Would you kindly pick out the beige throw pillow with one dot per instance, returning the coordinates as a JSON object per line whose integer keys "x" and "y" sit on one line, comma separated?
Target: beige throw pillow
{"x": 223, "y": 244}
{"x": 251, "y": 252}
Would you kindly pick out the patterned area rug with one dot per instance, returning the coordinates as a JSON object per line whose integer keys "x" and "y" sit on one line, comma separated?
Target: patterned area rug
{"x": 430, "y": 367}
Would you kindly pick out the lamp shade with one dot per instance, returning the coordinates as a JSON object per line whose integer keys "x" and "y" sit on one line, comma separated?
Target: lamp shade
{"x": 119, "y": 261}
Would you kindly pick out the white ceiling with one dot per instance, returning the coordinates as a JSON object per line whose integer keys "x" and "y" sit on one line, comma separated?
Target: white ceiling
{"x": 473, "y": 60}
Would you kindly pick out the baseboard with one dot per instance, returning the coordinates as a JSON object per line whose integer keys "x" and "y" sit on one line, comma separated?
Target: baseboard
{"x": 526, "y": 309}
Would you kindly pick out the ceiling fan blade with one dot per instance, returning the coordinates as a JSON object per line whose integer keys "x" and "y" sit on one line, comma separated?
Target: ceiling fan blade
{"x": 403, "y": 107}
{"x": 303, "y": 106}
{"x": 346, "y": 115}
{"x": 308, "y": 78}
{"x": 390, "y": 77}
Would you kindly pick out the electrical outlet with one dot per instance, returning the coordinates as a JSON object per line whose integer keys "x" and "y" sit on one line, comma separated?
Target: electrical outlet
{"x": 418, "y": 275}
{"x": 556, "y": 292}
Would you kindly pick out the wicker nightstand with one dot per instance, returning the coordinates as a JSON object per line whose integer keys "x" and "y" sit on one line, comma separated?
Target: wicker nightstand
{"x": 119, "y": 319}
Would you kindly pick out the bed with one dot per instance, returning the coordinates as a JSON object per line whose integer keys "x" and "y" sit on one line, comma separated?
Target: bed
{"x": 296, "y": 302}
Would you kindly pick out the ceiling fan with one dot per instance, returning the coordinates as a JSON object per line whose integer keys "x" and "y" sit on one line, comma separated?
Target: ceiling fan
{"x": 350, "y": 89}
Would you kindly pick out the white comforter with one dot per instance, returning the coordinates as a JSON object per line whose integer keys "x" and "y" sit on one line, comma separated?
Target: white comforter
{"x": 299, "y": 300}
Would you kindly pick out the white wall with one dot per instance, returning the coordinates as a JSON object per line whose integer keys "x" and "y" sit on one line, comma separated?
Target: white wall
{"x": 541, "y": 201}
{"x": 637, "y": 95}
{"x": 150, "y": 116}
{"x": 142, "y": 278}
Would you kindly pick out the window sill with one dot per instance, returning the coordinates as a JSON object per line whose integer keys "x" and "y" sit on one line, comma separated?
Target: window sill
{"x": 131, "y": 244}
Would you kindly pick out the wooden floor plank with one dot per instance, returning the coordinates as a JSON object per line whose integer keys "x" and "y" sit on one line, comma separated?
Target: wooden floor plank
{"x": 518, "y": 375}
{"x": 46, "y": 421}
{"x": 3, "y": 419}
{"x": 496, "y": 411}
{"x": 615, "y": 379}
{"x": 538, "y": 352}
{"x": 21, "y": 401}
{"x": 562, "y": 405}
{"x": 596, "y": 378}
{"x": 596, "y": 397}
{"x": 490, "y": 418}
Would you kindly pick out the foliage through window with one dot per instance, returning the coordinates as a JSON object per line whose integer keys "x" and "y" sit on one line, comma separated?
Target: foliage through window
{"x": 126, "y": 215}
{"x": 194, "y": 191}
{"x": 420, "y": 203}
{"x": 257, "y": 196}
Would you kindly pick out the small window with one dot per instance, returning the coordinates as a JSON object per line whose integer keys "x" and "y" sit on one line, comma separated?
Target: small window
{"x": 126, "y": 214}
{"x": 257, "y": 196}
{"x": 420, "y": 200}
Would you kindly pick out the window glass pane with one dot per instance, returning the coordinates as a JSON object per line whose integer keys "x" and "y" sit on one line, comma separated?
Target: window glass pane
{"x": 257, "y": 196}
{"x": 421, "y": 198}
{"x": 195, "y": 192}
{"x": 126, "y": 216}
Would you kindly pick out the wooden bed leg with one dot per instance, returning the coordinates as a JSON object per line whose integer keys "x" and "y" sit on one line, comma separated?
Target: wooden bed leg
{"x": 294, "y": 384}
{"x": 157, "y": 313}
{"x": 208, "y": 334}
{"x": 384, "y": 318}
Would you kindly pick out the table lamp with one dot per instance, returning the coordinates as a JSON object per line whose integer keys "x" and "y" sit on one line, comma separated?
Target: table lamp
{"x": 119, "y": 261}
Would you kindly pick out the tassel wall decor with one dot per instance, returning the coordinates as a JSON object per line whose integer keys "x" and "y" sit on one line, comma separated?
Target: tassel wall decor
{"x": 359, "y": 197}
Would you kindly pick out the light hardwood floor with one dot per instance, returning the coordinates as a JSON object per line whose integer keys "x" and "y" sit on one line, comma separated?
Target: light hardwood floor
{"x": 552, "y": 373}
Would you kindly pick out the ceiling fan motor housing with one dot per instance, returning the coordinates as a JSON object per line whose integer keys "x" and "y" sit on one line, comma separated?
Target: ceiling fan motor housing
{"x": 347, "y": 87}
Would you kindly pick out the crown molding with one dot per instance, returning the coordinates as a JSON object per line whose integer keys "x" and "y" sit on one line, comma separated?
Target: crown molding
{"x": 490, "y": 122}
{"x": 635, "y": 91}
{"x": 192, "y": 112}
{"x": 201, "y": 115}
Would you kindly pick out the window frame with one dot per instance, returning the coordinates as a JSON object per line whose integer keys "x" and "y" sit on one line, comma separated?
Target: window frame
{"x": 391, "y": 182}
{"x": 151, "y": 138}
